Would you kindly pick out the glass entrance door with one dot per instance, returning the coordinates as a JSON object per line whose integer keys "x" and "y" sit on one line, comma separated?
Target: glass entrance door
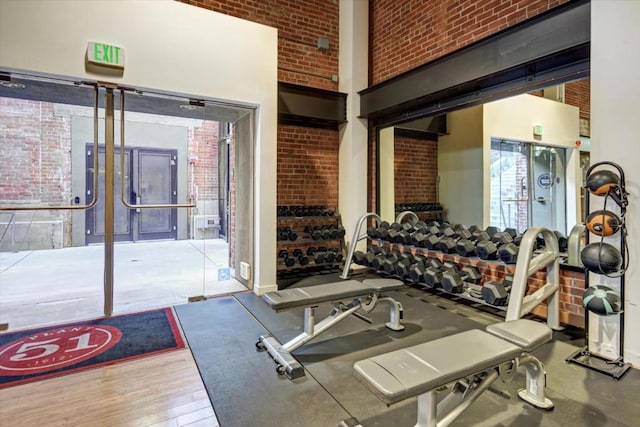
{"x": 527, "y": 186}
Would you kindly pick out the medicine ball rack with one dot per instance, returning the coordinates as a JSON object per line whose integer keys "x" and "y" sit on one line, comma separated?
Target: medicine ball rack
{"x": 588, "y": 356}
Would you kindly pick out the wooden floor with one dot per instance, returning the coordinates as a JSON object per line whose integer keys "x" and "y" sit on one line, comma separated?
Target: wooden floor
{"x": 160, "y": 390}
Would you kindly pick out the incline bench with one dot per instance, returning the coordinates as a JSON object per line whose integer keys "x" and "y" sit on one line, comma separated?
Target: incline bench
{"x": 365, "y": 294}
{"x": 471, "y": 361}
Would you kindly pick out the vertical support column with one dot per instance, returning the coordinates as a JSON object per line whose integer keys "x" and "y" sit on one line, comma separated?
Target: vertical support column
{"x": 353, "y": 74}
{"x": 615, "y": 54}
{"x": 108, "y": 202}
{"x": 386, "y": 162}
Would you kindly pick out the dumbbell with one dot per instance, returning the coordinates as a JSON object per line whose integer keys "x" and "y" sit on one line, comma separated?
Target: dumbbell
{"x": 511, "y": 231}
{"x": 360, "y": 258}
{"x": 286, "y": 233}
{"x": 390, "y": 262}
{"x": 479, "y": 236}
{"x": 431, "y": 242}
{"x": 446, "y": 245}
{"x": 501, "y": 238}
{"x": 453, "y": 279}
{"x": 417, "y": 238}
{"x": 487, "y": 250}
{"x": 563, "y": 242}
{"x": 417, "y": 269}
{"x": 508, "y": 253}
{"x": 302, "y": 258}
{"x": 466, "y": 248}
{"x": 404, "y": 265}
{"x": 288, "y": 260}
{"x": 496, "y": 293}
{"x": 491, "y": 230}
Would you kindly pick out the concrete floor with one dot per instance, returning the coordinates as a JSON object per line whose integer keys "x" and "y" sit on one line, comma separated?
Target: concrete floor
{"x": 60, "y": 285}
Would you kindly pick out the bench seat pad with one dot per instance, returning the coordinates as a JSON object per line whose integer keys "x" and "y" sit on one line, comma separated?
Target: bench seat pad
{"x": 336, "y": 291}
{"x": 411, "y": 371}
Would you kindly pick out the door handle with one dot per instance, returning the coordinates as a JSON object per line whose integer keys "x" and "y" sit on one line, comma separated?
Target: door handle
{"x": 138, "y": 205}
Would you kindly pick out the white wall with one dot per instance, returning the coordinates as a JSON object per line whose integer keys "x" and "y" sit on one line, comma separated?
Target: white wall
{"x": 513, "y": 118}
{"x": 386, "y": 163}
{"x": 460, "y": 167}
{"x": 615, "y": 129}
{"x": 170, "y": 46}
{"x": 353, "y": 65}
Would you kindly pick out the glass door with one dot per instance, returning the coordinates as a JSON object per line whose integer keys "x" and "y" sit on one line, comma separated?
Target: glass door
{"x": 527, "y": 186}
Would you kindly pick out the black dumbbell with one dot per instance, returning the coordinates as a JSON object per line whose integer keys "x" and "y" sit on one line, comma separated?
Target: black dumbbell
{"x": 508, "y": 253}
{"x": 487, "y": 250}
{"x": 495, "y": 293}
{"x": 404, "y": 265}
{"x": 446, "y": 245}
{"x": 360, "y": 258}
{"x": 501, "y": 238}
{"x": 471, "y": 274}
{"x": 417, "y": 270}
{"x": 466, "y": 248}
{"x": 491, "y": 230}
{"x": 431, "y": 242}
{"x": 479, "y": 236}
{"x": 390, "y": 262}
{"x": 563, "y": 242}
{"x": 432, "y": 277}
{"x": 288, "y": 260}
{"x": 452, "y": 281}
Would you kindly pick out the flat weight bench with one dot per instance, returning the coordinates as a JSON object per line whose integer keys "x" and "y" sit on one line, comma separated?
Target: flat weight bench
{"x": 470, "y": 362}
{"x": 365, "y": 294}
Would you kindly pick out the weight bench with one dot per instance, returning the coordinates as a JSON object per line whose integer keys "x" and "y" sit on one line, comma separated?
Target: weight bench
{"x": 365, "y": 294}
{"x": 470, "y": 362}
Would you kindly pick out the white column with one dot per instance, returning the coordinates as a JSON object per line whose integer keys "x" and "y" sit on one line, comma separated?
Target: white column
{"x": 353, "y": 77}
{"x": 615, "y": 129}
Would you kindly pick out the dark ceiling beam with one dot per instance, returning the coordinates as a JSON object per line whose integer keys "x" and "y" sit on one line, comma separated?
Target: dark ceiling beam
{"x": 549, "y": 49}
{"x": 307, "y": 106}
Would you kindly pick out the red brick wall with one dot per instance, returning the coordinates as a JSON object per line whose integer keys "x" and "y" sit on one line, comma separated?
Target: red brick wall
{"x": 415, "y": 169}
{"x": 409, "y": 33}
{"x": 36, "y": 155}
{"x": 299, "y": 24}
{"x": 307, "y": 166}
{"x": 578, "y": 93}
{"x": 203, "y": 153}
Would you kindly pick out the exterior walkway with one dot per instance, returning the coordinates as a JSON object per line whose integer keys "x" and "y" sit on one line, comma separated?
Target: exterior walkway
{"x": 61, "y": 285}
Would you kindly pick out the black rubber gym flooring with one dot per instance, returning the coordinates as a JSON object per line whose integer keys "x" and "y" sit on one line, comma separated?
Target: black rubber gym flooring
{"x": 246, "y": 391}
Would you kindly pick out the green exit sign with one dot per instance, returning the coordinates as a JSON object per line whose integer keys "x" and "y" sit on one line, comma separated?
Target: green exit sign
{"x": 105, "y": 54}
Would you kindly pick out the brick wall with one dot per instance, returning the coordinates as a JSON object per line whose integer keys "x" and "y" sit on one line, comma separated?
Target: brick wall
{"x": 203, "y": 153}
{"x": 415, "y": 169}
{"x": 578, "y": 94}
{"x": 409, "y": 33}
{"x": 307, "y": 166}
{"x": 306, "y": 156}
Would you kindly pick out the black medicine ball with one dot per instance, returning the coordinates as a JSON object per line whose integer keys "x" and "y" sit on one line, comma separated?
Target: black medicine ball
{"x": 603, "y": 223}
{"x": 601, "y": 182}
{"x": 601, "y": 300}
{"x": 601, "y": 258}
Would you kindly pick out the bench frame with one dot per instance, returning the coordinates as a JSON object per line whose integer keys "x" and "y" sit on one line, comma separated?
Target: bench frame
{"x": 287, "y": 365}
{"x": 465, "y": 391}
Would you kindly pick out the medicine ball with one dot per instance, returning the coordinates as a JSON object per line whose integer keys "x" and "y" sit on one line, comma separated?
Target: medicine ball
{"x": 601, "y": 300}
{"x": 603, "y": 223}
{"x": 601, "y": 258}
{"x": 601, "y": 182}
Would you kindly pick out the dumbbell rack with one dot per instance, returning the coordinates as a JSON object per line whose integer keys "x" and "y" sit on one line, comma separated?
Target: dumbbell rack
{"x": 287, "y": 275}
{"x": 587, "y": 356}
